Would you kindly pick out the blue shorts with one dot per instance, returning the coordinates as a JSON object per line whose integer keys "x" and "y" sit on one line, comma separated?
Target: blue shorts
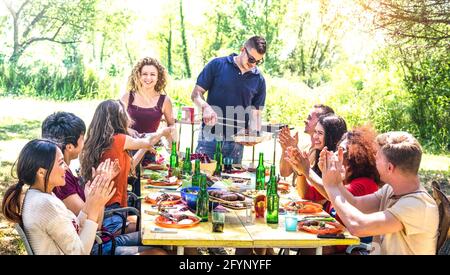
{"x": 126, "y": 244}
{"x": 113, "y": 223}
{"x": 230, "y": 149}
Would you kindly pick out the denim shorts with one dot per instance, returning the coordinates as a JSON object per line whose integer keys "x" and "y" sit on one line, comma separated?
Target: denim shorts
{"x": 126, "y": 244}
{"x": 113, "y": 223}
{"x": 230, "y": 149}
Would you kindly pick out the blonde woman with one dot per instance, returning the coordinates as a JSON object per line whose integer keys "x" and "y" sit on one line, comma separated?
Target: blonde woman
{"x": 145, "y": 99}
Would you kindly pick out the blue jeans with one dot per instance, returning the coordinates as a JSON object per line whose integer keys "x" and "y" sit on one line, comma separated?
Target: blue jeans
{"x": 230, "y": 149}
{"x": 113, "y": 223}
{"x": 126, "y": 244}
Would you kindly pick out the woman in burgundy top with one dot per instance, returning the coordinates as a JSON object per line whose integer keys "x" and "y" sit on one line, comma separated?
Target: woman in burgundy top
{"x": 145, "y": 101}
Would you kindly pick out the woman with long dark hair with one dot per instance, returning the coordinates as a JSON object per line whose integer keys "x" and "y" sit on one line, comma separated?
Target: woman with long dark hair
{"x": 327, "y": 133}
{"x": 107, "y": 137}
{"x": 360, "y": 175}
{"x": 50, "y": 227}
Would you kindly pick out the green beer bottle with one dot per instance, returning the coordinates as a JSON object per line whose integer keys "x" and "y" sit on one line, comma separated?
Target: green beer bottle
{"x": 187, "y": 165}
{"x": 174, "y": 156}
{"x": 218, "y": 158}
{"x": 173, "y": 163}
{"x": 196, "y": 176}
{"x": 202, "y": 209}
{"x": 260, "y": 173}
{"x": 273, "y": 200}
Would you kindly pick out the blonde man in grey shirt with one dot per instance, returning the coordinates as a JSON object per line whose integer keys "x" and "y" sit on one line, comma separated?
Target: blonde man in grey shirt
{"x": 402, "y": 216}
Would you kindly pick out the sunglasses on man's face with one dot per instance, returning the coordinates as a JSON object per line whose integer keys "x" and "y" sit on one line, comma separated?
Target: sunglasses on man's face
{"x": 253, "y": 60}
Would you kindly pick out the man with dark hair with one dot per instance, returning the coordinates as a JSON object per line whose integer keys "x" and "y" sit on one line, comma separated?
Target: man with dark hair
{"x": 65, "y": 128}
{"x": 68, "y": 130}
{"x": 236, "y": 96}
{"x": 286, "y": 140}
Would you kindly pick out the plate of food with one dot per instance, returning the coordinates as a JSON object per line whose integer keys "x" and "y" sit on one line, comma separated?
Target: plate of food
{"x": 303, "y": 207}
{"x": 283, "y": 187}
{"x": 236, "y": 169}
{"x": 177, "y": 220}
{"x": 162, "y": 199}
{"x": 250, "y": 193}
{"x": 165, "y": 183}
{"x": 252, "y": 137}
{"x": 320, "y": 227}
{"x": 153, "y": 175}
{"x": 155, "y": 166}
{"x": 228, "y": 199}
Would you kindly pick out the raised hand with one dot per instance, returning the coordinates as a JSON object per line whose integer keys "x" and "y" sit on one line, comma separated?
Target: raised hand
{"x": 298, "y": 160}
{"x": 100, "y": 192}
{"x": 332, "y": 167}
{"x": 286, "y": 140}
{"x": 106, "y": 168}
{"x": 152, "y": 150}
{"x": 323, "y": 156}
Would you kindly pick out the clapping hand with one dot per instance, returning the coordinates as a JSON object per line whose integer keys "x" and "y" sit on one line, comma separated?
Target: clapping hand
{"x": 99, "y": 191}
{"x": 298, "y": 160}
{"x": 332, "y": 167}
{"x": 286, "y": 140}
{"x": 109, "y": 170}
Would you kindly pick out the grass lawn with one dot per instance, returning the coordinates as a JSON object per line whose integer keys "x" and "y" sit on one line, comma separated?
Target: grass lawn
{"x": 20, "y": 121}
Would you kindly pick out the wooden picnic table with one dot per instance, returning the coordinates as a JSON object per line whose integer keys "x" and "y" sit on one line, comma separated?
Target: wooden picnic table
{"x": 237, "y": 233}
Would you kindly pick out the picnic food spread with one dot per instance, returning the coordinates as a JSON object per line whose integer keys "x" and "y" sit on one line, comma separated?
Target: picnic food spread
{"x": 226, "y": 196}
{"x": 303, "y": 207}
{"x": 320, "y": 227}
{"x": 163, "y": 199}
{"x": 252, "y": 137}
{"x": 232, "y": 190}
{"x": 177, "y": 220}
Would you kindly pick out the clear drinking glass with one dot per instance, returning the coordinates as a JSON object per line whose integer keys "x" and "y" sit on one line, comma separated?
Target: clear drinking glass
{"x": 218, "y": 220}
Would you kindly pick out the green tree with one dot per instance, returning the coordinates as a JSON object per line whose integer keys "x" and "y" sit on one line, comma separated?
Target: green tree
{"x": 317, "y": 45}
{"x": 216, "y": 35}
{"x": 58, "y": 21}
{"x": 264, "y": 18}
{"x": 169, "y": 48}
{"x": 110, "y": 24}
{"x": 419, "y": 32}
{"x": 184, "y": 42}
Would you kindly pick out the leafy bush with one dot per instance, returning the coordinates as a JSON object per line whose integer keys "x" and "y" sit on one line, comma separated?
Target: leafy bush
{"x": 44, "y": 81}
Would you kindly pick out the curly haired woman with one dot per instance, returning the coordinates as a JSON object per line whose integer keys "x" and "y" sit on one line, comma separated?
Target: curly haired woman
{"x": 145, "y": 99}
{"x": 360, "y": 176}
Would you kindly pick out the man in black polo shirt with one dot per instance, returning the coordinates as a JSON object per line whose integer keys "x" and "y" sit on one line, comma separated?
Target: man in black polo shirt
{"x": 236, "y": 96}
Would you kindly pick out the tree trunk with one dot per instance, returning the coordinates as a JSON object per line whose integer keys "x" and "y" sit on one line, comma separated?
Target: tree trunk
{"x": 102, "y": 50}
{"x": 16, "y": 47}
{"x": 130, "y": 59}
{"x": 184, "y": 41}
{"x": 169, "y": 49}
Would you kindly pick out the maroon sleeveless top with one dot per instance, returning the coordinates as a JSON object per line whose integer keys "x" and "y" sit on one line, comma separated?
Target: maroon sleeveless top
{"x": 146, "y": 120}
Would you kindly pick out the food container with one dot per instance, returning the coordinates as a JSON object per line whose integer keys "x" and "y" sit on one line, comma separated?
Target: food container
{"x": 207, "y": 168}
{"x": 188, "y": 114}
{"x": 252, "y": 138}
{"x": 189, "y": 195}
